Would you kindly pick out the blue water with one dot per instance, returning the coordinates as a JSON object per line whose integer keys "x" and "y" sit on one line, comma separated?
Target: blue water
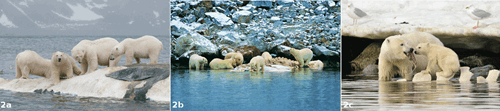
{"x": 45, "y": 46}
{"x": 209, "y": 90}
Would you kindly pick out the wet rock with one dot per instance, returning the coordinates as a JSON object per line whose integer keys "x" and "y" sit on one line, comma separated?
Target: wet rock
{"x": 196, "y": 42}
{"x": 481, "y": 71}
{"x": 248, "y": 51}
{"x": 45, "y": 91}
{"x": 219, "y": 19}
{"x": 285, "y": 3}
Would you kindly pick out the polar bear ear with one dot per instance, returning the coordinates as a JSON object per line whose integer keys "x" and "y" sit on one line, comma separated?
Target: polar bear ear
{"x": 53, "y": 53}
{"x": 427, "y": 44}
{"x": 387, "y": 40}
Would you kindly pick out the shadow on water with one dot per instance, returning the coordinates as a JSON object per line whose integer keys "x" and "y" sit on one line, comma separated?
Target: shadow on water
{"x": 370, "y": 94}
{"x": 303, "y": 89}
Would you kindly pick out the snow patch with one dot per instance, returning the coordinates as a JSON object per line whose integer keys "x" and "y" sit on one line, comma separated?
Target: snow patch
{"x": 6, "y": 22}
{"x": 156, "y": 14}
{"x": 80, "y": 13}
{"x": 131, "y": 22}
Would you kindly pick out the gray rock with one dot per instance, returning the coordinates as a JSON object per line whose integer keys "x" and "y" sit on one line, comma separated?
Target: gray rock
{"x": 179, "y": 28}
{"x": 321, "y": 50}
{"x": 229, "y": 37}
{"x": 285, "y": 3}
{"x": 196, "y": 42}
{"x": 219, "y": 19}
{"x": 242, "y": 16}
{"x": 320, "y": 10}
{"x": 263, "y": 4}
{"x": 150, "y": 73}
{"x": 481, "y": 71}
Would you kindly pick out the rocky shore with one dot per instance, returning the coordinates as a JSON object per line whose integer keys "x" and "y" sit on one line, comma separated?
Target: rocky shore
{"x": 214, "y": 28}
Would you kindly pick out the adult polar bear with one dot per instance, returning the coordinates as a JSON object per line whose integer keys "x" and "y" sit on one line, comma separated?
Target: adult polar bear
{"x": 396, "y": 52}
{"x": 143, "y": 47}
{"x": 29, "y": 62}
{"x": 91, "y": 54}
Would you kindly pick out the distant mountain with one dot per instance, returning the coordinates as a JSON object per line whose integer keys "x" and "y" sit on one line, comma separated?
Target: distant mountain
{"x": 84, "y": 17}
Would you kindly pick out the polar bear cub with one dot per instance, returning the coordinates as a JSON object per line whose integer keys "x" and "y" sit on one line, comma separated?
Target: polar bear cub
{"x": 303, "y": 56}
{"x": 444, "y": 57}
{"x": 197, "y": 61}
{"x": 29, "y": 62}
{"x": 222, "y": 64}
{"x": 267, "y": 57}
{"x": 257, "y": 63}
{"x": 91, "y": 54}
{"x": 237, "y": 56}
{"x": 143, "y": 47}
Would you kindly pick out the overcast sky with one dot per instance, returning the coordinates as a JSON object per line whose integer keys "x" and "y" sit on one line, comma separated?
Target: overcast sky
{"x": 84, "y": 17}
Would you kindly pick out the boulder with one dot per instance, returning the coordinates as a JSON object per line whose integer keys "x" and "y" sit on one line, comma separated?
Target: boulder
{"x": 195, "y": 42}
{"x": 219, "y": 19}
{"x": 248, "y": 51}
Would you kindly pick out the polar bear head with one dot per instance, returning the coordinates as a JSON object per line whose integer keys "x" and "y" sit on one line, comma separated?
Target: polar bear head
{"x": 59, "y": 58}
{"x": 78, "y": 55}
{"x": 422, "y": 48}
{"x": 396, "y": 47}
{"x": 117, "y": 51}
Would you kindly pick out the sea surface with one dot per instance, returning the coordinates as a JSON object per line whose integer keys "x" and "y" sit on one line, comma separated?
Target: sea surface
{"x": 301, "y": 90}
{"x": 10, "y": 46}
{"x": 365, "y": 92}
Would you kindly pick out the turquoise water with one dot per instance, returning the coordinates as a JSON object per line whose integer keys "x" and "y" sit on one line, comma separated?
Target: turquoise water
{"x": 209, "y": 90}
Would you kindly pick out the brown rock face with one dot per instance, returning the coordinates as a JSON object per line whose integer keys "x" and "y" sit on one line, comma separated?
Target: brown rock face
{"x": 248, "y": 51}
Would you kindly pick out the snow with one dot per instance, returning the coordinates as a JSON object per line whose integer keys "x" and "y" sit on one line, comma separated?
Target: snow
{"x": 436, "y": 17}
{"x": 23, "y": 3}
{"x": 6, "y": 22}
{"x": 80, "y": 13}
{"x": 180, "y": 25}
{"x": 156, "y": 14}
{"x": 275, "y": 18}
{"x": 131, "y": 22}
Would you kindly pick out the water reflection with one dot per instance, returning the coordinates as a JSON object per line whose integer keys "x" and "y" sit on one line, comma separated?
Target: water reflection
{"x": 432, "y": 95}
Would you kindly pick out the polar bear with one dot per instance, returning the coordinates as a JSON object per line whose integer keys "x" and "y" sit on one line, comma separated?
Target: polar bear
{"x": 303, "y": 56}
{"x": 444, "y": 57}
{"x": 197, "y": 61}
{"x": 317, "y": 64}
{"x": 143, "y": 47}
{"x": 267, "y": 57}
{"x": 222, "y": 64}
{"x": 29, "y": 62}
{"x": 91, "y": 54}
{"x": 396, "y": 54}
{"x": 238, "y": 58}
{"x": 257, "y": 63}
